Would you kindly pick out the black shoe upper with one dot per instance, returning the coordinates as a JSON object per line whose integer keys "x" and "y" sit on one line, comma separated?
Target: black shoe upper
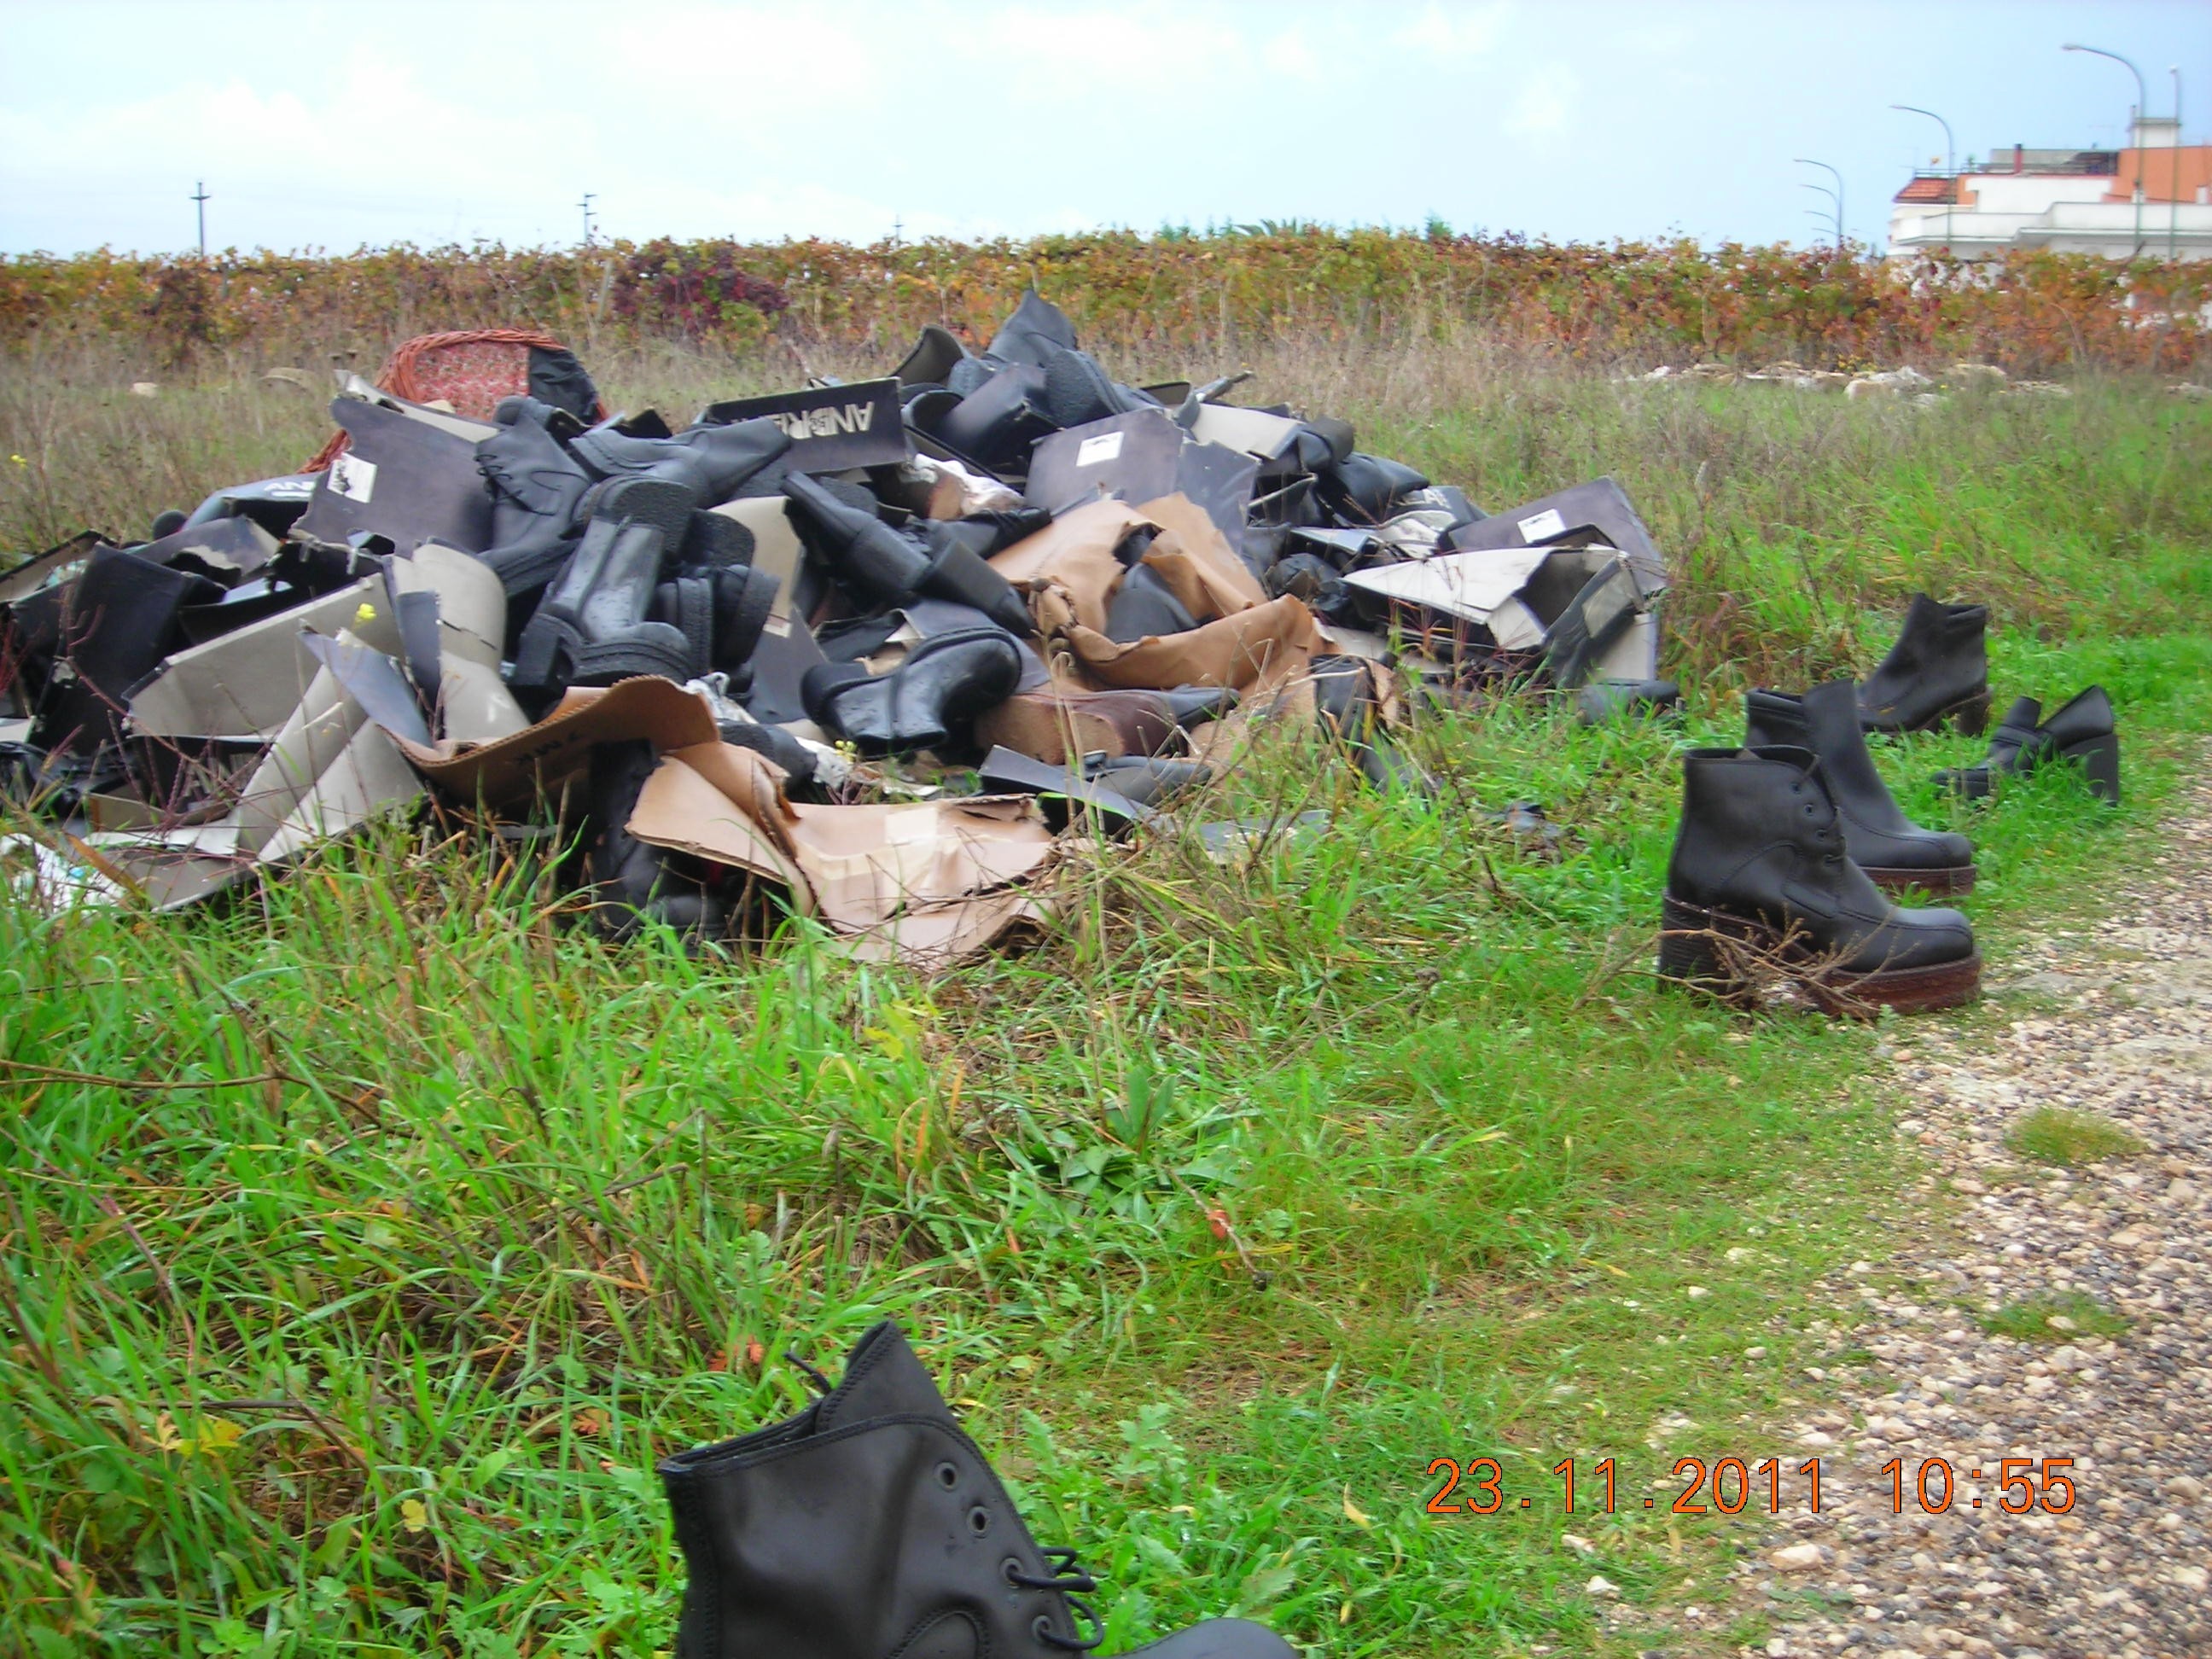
{"x": 1877, "y": 835}
{"x": 1760, "y": 838}
{"x": 1940, "y": 660}
{"x": 869, "y": 1527}
{"x": 714, "y": 462}
{"x": 2024, "y": 740}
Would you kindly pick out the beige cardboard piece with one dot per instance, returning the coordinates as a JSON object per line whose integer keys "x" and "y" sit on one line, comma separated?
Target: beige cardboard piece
{"x": 1074, "y": 554}
{"x": 935, "y": 937}
{"x": 686, "y": 806}
{"x": 775, "y": 544}
{"x": 1257, "y": 648}
{"x": 1253, "y": 431}
{"x": 1226, "y": 581}
{"x": 472, "y": 602}
{"x": 515, "y": 770}
{"x": 924, "y": 884}
{"x": 247, "y": 683}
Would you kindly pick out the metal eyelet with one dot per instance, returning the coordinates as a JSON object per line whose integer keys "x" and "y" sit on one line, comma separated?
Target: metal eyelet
{"x": 1010, "y": 1569}
{"x": 979, "y": 1521}
{"x": 948, "y": 1476}
{"x": 1041, "y": 1627}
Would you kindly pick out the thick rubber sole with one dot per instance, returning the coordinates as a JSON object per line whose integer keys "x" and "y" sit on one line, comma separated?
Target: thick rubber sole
{"x": 1956, "y": 882}
{"x": 1714, "y": 953}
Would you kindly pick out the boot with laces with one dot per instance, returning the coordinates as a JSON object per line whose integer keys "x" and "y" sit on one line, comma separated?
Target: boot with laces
{"x": 869, "y": 1527}
{"x": 1760, "y": 886}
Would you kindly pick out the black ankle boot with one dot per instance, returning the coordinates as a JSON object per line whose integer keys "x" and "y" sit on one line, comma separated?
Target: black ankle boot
{"x": 537, "y": 488}
{"x": 1879, "y": 838}
{"x": 869, "y": 1527}
{"x": 1760, "y": 885}
{"x": 713, "y": 462}
{"x": 2082, "y": 733}
{"x": 1938, "y": 670}
{"x": 930, "y": 701}
{"x": 593, "y": 627}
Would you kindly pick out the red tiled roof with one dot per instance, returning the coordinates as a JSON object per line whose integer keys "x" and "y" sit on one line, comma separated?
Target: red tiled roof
{"x": 1928, "y": 189}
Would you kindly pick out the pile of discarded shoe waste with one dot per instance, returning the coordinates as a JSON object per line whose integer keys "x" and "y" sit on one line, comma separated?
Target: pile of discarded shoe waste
{"x": 694, "y": 652}
{"x": 878, "y": 652}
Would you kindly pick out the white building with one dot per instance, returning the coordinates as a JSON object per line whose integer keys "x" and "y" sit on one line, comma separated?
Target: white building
{"x": 2152, "y": 199}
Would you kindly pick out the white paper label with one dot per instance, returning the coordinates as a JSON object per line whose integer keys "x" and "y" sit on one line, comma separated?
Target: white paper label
{"x": 1542, "y": 527}
{"x": 1094, "y": 452}
{"x": 353, "y": 478}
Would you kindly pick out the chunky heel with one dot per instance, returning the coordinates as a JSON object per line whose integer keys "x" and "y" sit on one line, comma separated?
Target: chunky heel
{"x": 2099, "y": 761}
{"x": 1972, "y": 716}
{"x": 1690, "y": 956}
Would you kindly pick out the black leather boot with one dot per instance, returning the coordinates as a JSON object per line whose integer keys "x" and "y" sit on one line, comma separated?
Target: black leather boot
{"x": 2083, "y": 734}
{"x": 1938, "y": 670}
{"x": 881, "y": 566}
{"x": 869, "y": 1527}
{"x": 958, "y": 551}
{"x": 1880, "y": 839}
{"x": 1344, "y": 706}
{"x": 594, "y": 626}
{"x": 713, "y": 462}
{"x": 930, "y": 701}
{"x": 633, "y": 882}
{"x": 536, "y": 489}
{"x": 1759, "y": 886}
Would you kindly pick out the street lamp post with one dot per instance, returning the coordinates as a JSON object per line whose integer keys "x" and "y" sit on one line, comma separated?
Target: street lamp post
{"x": 1950, "y": 165}
{"x": 1838, "y": 192}
{"x": 2142, "y": 110}
{"x": 2173, "y": 191}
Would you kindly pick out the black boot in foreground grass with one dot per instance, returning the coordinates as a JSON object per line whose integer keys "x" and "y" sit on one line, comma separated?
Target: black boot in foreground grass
{"x": 2082, "y": 733}
{"x": 1895, "y": 851}
{"x": 1759, "y": 887}
{"x": 1938, "y": 670}
{"x": 869, "y": 1527}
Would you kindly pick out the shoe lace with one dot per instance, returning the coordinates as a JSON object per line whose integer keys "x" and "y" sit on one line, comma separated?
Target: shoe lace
{"x": 1068, "y": 1580}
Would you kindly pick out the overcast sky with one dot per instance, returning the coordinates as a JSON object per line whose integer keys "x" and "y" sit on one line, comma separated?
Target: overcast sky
{"x": 381, "y": 121}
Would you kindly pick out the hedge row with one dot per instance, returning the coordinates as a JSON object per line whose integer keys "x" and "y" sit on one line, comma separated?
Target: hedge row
{"x": 2032, "y": 313}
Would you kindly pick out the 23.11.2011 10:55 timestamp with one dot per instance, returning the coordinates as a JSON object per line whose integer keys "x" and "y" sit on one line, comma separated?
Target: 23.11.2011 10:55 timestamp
{"x": 1730, "y": 1486}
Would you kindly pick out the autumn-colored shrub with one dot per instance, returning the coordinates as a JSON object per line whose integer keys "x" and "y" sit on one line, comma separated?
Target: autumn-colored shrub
{"x": 1165, "y": 296}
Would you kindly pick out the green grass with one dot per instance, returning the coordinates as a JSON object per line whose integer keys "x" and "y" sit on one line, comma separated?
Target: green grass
{"x": 368, "y": 1239}
{"x": 2066, "y": 1318}
{"x": 2053, "y": 1135}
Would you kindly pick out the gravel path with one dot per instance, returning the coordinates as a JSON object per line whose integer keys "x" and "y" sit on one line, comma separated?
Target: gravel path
{"x": 2116, "y": 1022}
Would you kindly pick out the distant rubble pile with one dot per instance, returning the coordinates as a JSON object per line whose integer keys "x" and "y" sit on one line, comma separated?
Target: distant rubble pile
{"x": 1904, "y": 382}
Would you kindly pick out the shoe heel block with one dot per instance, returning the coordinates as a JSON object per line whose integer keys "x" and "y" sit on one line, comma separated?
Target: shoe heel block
{"x": 1691, "y": 946}
{"x": 2099, "y": 758}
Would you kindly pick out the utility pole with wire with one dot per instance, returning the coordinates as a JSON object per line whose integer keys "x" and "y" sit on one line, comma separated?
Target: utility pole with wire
{"x": 200, "y": 199}
{"x": 589, "y": 197}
